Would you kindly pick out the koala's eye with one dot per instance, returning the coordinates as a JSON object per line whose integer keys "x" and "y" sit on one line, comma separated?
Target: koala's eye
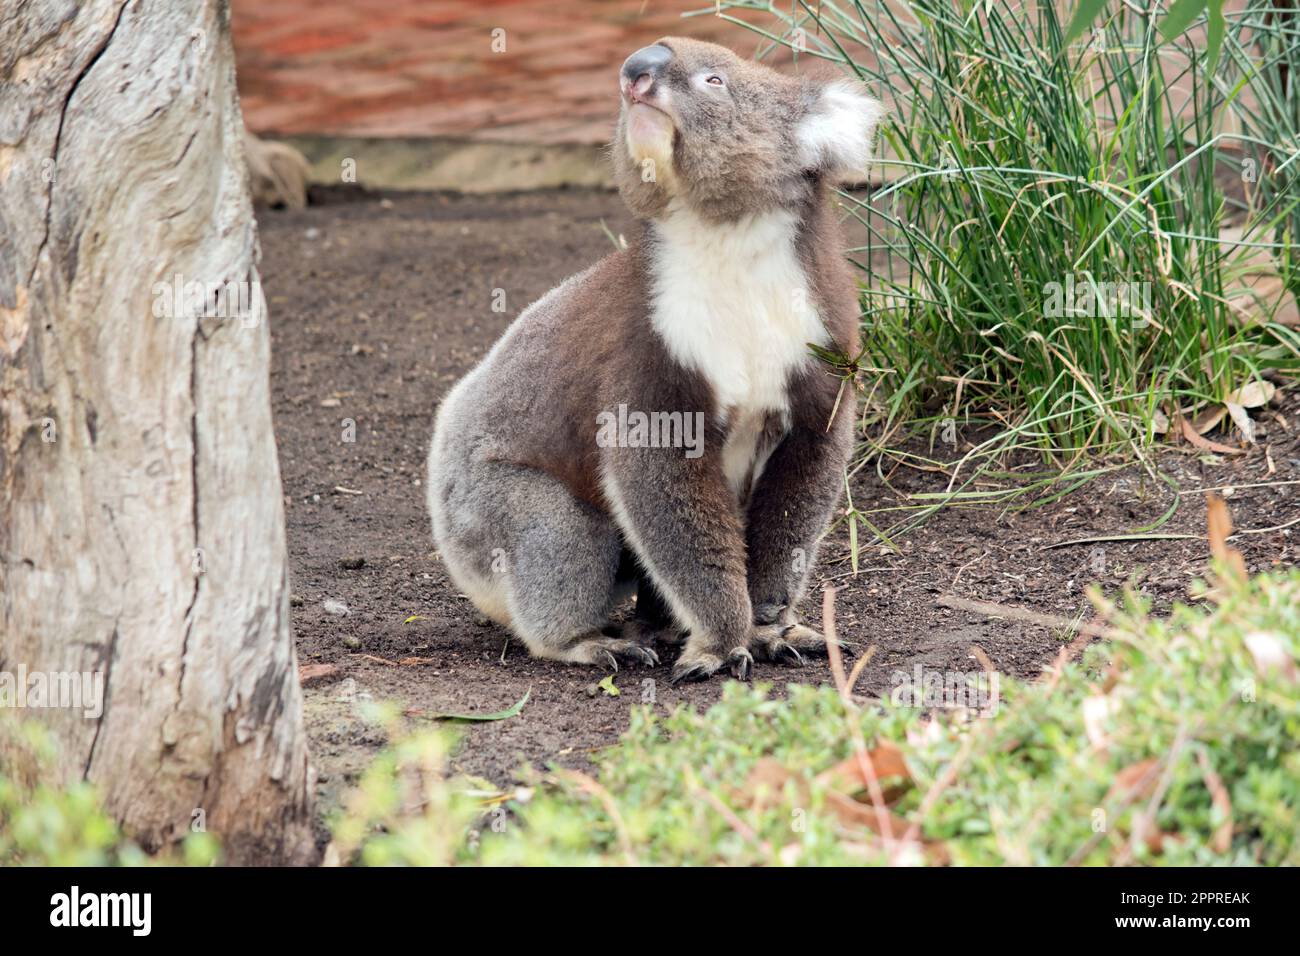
{"x": 715, "y": 80}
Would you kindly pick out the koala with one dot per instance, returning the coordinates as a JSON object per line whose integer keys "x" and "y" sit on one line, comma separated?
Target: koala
{"x": 658, "y": 423}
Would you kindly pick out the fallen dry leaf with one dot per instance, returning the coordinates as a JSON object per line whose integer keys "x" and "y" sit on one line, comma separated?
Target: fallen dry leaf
{"x": 770, "y": 774}
{"x": 1206, "y": 421}
{"x": 849, "y": 775}
{"x": 1253, "y": 394}
{"x": 1241, "y": 418}
{"x": 1135, "y": 782}
{"x": 1218, "y": 529}
{"x": 1193, "y": 436}
{"x": 310, "y": 674}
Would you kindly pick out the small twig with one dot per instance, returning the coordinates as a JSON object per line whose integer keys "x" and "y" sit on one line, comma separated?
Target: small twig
{"x": 1148, "y": 818}
{"x": 865, "y": 765}
{"x": 989, "y": 609}
{"x": 1254, "y": 484}
{"x": 1097, "y": 538}
{"x": 833, "y": 644}
{"x": 589, "y": 786}
{"x": 942, "y": 783}
{"x": 860, "y": 666}
{"x": 962, "y": 569}
{"x": 1276, "y": 527}
{"x": 1090, "y": 844}
{"x": 733, "y": 821}
{"x": 1219, "y": 795}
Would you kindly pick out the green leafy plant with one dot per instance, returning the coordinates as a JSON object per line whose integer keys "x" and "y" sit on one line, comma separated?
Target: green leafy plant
{"x": 1173, "y": 742}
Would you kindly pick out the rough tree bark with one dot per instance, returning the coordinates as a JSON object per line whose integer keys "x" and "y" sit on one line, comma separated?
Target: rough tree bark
{"x": 141, "y": 520}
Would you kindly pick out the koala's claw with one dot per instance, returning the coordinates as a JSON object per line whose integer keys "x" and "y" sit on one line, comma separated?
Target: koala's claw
{"x": 741, "y": 663}
{"x": 639, "y": 654}
{"x": 779, "y": 652}
{"x": 788, "y": 643}
{"x": 611, "y": 652}
{"x": 702, "y": 665}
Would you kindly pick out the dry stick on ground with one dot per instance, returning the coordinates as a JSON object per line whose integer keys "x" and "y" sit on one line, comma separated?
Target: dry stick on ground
{"x": 1219, "y": 795}
{"x": 941, "y": 783}
{"x": 1146, "y": 822}
{"x": 962, "y": 569}
{"x": 733, "y": 821}
{"x": 1165, "y": 536}
{"x": 589, "y": 786}
{"x": 989, "y": 609}
{"x": 1132, "y": 794}
{"x": 859, "y": 667}
{"x": 865, "y": 764}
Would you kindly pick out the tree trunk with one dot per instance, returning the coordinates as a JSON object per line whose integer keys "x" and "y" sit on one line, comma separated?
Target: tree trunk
{"x": 141, "y": 520}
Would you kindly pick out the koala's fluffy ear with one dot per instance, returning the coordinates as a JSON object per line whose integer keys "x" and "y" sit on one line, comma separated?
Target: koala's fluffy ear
{"x": 835, "y": 136}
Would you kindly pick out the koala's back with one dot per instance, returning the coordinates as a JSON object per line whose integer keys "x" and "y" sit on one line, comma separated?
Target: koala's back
{"x": 533, "y": 399}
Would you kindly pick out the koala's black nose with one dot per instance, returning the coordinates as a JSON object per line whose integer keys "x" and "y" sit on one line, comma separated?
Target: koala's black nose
{"x": 648, "y": 61}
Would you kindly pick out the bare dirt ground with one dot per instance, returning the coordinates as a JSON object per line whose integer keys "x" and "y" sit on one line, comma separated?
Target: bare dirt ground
{"x": 378, "y": 304}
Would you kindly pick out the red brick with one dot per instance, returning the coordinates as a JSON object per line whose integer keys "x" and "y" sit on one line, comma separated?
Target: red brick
{"x": 426, "y": 67}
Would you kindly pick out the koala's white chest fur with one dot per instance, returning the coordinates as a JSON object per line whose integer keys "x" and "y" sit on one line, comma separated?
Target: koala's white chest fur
{"x": 732, "y": 302}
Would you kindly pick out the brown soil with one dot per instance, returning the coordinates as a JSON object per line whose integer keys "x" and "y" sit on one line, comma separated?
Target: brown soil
{"x": 378, "y": 304}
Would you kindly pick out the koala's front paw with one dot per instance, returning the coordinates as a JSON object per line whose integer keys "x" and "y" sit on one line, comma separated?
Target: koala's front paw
{"x": 695, "y": 665}
{"x": 789, "y": 643}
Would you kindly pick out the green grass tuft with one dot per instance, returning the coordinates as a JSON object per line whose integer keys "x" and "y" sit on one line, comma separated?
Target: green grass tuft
{"x": 1017, "y": 165}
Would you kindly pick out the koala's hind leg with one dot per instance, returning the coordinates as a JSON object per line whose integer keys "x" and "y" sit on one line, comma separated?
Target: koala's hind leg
{"x": 789, "y": 510}
{"x": 561, "y": 560}
{"x": 680, "y": 517}
{"x": 653, "y": 622}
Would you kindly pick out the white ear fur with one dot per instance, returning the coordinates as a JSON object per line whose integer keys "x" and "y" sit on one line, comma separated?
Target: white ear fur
{"x": 836, "y": 135}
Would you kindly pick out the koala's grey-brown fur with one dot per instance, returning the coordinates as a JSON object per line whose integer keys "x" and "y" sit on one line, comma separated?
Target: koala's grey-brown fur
{"x": 737, "y": 264}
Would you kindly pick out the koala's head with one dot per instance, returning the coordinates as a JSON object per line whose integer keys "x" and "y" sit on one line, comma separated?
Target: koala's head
{"x": 728, "y": 137}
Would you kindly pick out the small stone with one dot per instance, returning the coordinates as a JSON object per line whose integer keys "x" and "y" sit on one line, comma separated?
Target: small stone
{"x": 351, "y": 642}
{"x": 593, "y": 690}
{"x": 354, "y": 562}
{"x": 482, "y": 620}
{"x": 295, "y": 601}
{"x": 335, "y": 607}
